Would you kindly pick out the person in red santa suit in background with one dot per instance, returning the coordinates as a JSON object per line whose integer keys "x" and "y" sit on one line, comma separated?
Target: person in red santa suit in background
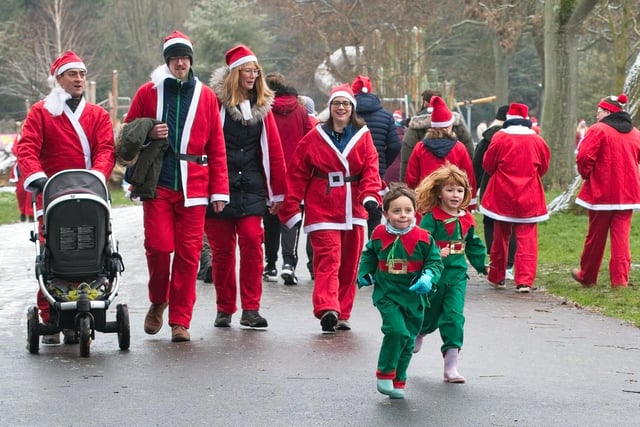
{"x": 608, "y": 159}
{"x": 334, "y": 171}
{"x": 25, "y": 206}
{"x": 515, "y": 161}
{"x": 193, "y": 175}
{"x": 439, "y": 146}
{"x": 256, "y": 181}
{"x": 62, "y": 132}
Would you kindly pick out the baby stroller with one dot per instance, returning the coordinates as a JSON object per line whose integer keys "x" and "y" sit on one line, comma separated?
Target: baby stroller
{"x": 77, "y": 264}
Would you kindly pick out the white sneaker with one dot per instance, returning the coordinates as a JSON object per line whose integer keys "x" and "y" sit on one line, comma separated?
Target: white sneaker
{"x": 508, "y": 274}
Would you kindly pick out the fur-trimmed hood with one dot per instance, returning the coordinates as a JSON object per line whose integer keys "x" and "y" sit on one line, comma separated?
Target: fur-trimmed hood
{"x": 423, "y": 121}
{"x": 216, "y": 83}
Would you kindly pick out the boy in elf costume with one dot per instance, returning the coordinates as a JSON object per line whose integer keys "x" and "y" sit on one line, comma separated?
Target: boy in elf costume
{"x": 444, "y": 195}
{"x": 401, "y": 260}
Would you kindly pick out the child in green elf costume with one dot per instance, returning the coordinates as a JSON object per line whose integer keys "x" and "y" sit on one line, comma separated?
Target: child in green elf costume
{"x": 443, "y": 197}
{"x": 400, "y": 261}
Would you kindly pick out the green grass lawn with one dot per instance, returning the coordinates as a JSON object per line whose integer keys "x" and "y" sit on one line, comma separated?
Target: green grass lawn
{"x": 560, "y": 242}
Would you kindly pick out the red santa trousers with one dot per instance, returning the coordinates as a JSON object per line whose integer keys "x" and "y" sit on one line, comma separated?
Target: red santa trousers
{"x": 336, "y": 255}
{"x": 170, "y": 227}
{"x": 222, "y": 234}
{"x": 23, "y": 199}
{"x": 618, "y": 224}
{"x": 526, "y": 258}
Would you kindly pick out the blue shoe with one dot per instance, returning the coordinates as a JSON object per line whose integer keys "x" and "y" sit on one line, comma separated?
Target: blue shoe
{"x": 397, "y": 393}
{"x": 385, "y": 387}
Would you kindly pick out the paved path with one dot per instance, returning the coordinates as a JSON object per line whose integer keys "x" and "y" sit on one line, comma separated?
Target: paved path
{"x": 529, "y": 360}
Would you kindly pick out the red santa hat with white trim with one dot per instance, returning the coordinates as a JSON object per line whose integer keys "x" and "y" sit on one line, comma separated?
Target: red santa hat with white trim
{"x": 55, "y": 101}
{"x": 517, "y": 111}
{"x": 64, "y": 62}
{"x": 239, "y": 55}
{"x": 361, "y": 84}
{"x": 343, "y": 90}
{"x": 441, "y": 116}
{"x": 177, "y": 44}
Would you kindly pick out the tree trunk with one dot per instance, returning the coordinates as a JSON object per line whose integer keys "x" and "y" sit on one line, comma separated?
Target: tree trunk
{"x": 502, "y": 60}
{"x": 562, "y": 19}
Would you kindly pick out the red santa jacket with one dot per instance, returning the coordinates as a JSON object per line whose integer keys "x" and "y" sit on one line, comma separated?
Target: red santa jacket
{"x": 50, "y": 144}
{"x": 422, "y": 162}
{"x": 202, "y": 135}
{"x": 516, "y": 161}
{"x": 333, "y": 186}
{"x": 608, "y": 161}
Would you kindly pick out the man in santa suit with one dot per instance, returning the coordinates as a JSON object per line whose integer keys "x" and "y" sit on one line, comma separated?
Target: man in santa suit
{"x": 62, "y": 132}
{"x": 334, "y": 170}
{"x": 193, "y": 174}
{"x": 608, "y": 159}
{"x": 516, "y": 161}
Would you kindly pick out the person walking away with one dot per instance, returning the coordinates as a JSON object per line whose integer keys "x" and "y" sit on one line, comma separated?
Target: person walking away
{"x": 444, "y": 197}
{"x": 417, "y": 129}
{"x": 25, "y": 206}
{"x": 439, "y": 147}
{"x": 481, "y": 180}
{"x": 193, "y": 174}
{"x": 256, "y": 180}
{"x": 334, "y": 170}
{"x": 516, "y": 161}
{"x": 62, "y": 132}
{"x": 383, "y": 131}
{"x": 607, "y": 160}
{"x": 293, "y": 122}
{"x": 400, "y": 261}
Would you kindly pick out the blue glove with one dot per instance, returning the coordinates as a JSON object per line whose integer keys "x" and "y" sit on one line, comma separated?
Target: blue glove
{"x": 366, "y": 280}
{"x": 423, "y": 284}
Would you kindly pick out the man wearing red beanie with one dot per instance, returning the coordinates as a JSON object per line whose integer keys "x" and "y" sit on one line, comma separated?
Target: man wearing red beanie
{"x": 608, "y": 159}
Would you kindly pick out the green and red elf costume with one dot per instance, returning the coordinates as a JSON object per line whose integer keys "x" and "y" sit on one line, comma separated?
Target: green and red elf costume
{"x": 394, "y": 260}
{"x": 448, "y": 294}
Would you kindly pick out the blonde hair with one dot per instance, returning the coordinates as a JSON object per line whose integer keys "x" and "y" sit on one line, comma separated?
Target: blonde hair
{"x": 430, "y": 188}
{"x": 260, "y": 91}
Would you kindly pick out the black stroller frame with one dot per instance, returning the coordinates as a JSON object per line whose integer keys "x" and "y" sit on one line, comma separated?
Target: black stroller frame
{"x": 77, "y": 264}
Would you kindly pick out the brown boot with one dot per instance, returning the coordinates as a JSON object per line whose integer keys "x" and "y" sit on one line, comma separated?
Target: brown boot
{"x": 179, "y": 333}
{"x": 153, "y": 320}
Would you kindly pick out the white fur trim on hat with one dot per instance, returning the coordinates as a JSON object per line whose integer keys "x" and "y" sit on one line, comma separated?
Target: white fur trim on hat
{"x": 177, "y": 40}
{"x": 70, "y": 65}
{"x": 343, "y": 94}
{"x": 243, "y": 60}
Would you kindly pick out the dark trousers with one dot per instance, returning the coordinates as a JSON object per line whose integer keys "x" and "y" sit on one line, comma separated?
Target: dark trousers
{"x": 276, "y": 234}
{"x": 488, "y": 237}
{"x": 375, "y": 217}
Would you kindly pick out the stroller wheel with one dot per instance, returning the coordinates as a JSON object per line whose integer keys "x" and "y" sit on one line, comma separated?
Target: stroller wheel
{"x": 122, "y": 318}
{"x": 33, "y": 340}
{"x": 84, "y": 327}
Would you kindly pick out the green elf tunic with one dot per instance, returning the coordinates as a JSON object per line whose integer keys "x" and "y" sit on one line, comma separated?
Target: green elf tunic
{"x": 396, "y": 261}
{"x": 448, "y": 294}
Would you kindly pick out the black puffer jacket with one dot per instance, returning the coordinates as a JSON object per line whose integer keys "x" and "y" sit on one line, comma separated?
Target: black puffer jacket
{"x": 382, "y": 126}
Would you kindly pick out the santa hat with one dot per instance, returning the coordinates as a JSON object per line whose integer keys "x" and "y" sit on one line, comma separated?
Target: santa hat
{"x": 342, "y": 90}
{"x": 517, "y": 111}
{"x": 55, "y": 101}
{"x": 397, "y": 115}
{"x": 441, "y": 116}
{"x": 615, "y": 104}
{"x": 177, "y": 44}
{"x": 361, "y": 84}
{"x": 238, "y": 55}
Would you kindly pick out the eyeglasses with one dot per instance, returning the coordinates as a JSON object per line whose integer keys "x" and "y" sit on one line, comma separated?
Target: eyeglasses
{"x": 251, "y": 71}
{"x": 338, "y": 104}
{"x": 179, "y": 58}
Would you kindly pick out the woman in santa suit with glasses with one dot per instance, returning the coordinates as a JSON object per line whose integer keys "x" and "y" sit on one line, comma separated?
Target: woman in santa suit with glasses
{"x": 256, "y": 182}
{"x": 334, "y": 171}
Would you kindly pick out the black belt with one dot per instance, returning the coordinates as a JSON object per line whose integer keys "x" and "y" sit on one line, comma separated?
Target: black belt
{"x": 336, "y": 179}
{"x": 201, "y": 160}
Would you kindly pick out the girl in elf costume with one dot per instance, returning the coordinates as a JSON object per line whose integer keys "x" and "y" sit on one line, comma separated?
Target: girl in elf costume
{"x": 401, "y": 260}
{"x": 443, "y": 197}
